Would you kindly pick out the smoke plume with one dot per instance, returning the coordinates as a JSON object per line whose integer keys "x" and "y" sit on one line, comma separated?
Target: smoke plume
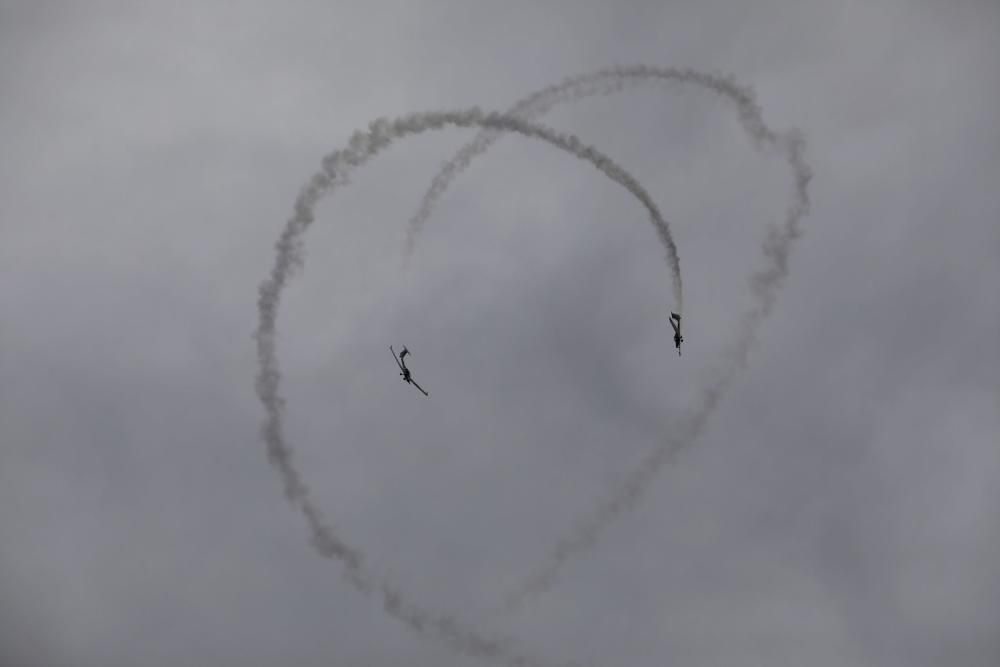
{"x": 364, "y": 145}
{"x": 336, "y": 168}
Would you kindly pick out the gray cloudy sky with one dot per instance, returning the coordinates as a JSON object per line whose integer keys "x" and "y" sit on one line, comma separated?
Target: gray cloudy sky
{"x": 841, "y": 508}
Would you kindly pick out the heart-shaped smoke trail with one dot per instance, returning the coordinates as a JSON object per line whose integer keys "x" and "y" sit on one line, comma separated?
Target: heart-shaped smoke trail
{"x": 764, "y": 282}
{"x": 337, "y": 166}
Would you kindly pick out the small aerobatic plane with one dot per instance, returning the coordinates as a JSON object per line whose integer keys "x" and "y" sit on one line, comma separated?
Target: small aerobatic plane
{"x": 404, "y": 372}
{"x": 675, "y": 322}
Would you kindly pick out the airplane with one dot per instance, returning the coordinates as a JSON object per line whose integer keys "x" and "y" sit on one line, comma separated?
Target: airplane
{"x": 404, "y": 372}
{"x": 678, "y": 338}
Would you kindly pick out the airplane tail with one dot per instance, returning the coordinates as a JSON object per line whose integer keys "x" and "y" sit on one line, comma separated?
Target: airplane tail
{"x": 675, "y": 316}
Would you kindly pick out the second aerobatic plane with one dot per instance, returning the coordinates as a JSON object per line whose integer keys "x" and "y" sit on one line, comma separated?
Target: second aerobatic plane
{"x": 404, "y": 372}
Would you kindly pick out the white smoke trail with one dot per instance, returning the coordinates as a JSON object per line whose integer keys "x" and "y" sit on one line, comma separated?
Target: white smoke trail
{"x": 764, "y": 282}
{"x": 336, "y": 168}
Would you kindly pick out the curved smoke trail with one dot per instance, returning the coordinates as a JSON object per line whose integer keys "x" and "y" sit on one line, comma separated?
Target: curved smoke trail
{"x": 336, "y": 168}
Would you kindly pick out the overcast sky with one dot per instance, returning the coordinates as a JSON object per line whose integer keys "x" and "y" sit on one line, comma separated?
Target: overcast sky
{"x": 840, "y": 509}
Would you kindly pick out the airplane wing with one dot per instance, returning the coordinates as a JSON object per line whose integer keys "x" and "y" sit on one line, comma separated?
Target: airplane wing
{"x": 413, "y": 382}
{"x": 675, "y": 322}
{"x": 396, "y": 358}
